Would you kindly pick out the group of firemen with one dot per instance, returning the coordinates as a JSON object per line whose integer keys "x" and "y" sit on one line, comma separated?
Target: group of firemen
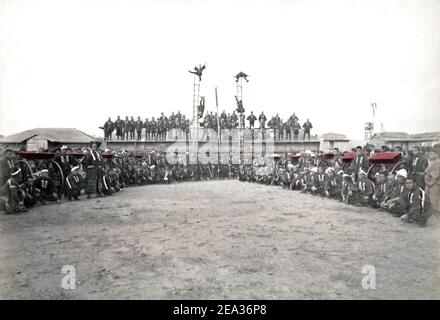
{"x": 412, "y": 192}
{"x": 178, "y": 126}
{"x": 160, "y": 128}
{"x": 95, "y": 175}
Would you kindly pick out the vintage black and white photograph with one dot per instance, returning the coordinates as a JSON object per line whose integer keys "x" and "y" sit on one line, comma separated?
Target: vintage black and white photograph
{"x": 219, "y": 150}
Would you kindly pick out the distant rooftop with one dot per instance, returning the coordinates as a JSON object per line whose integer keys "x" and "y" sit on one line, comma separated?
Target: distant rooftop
{"x": 403, "y": 136}
{"x": 67, "y": 135}
{"x": 334, "y": 137}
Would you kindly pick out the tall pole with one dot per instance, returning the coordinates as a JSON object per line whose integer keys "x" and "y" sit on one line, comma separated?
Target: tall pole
{"x": 218, "y": 127}
{"x": 195, "y": 133}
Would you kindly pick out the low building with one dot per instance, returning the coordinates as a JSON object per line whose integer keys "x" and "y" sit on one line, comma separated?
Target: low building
{"x": 405, "y": 140}
{"x": 46, "y": 139}
{"x": 329, "y": 141}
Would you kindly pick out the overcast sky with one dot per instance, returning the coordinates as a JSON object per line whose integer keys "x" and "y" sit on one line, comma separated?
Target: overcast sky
{"x": 72, "y": 63}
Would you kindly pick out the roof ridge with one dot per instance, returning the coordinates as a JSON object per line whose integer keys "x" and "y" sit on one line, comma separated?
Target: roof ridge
{"x": 52, "y": 134}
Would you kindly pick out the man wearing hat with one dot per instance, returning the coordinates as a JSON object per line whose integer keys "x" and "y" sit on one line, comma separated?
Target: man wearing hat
{"x": 432, "y": 177}
{"x": 418, "y": 166}
{"x": 73, "y": 184}
{"x": 92, "y": 163}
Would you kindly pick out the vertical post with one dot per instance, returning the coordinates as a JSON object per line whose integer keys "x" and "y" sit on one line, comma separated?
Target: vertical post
{"x": 218, "y": 127}
{"x": 241, "y": 120}
{"x": 195, "y": 133}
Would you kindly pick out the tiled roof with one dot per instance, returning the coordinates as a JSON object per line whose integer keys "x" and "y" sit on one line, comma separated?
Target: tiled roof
{"x": 67, "y": 135}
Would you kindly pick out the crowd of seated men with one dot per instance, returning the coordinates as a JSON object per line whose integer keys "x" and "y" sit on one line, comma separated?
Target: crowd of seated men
{"x": 19, "y": 192}
{"x": 401, "y": 193}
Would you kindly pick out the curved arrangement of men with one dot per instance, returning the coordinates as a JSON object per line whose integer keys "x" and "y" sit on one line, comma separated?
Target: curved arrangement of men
{"x": 400, "y": 192}
{"x": 412, "y": 192}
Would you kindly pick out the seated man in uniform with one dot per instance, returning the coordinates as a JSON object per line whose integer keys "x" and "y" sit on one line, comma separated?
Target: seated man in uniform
{"x": 45, "y": 187}
{"x": 382, "y": 189}
{"x": 364, "y": 190}
{"x": 320, "y": 181}
{"x": 107, "y": 188}
{"x": 9, "y": 194}
{"x": 295, "y": 179}
{"x": 285, "y": 178}
{"x": 188, "y": 174}
{"x": 417, "y": 206}
{"x": 308, "y": 180}
{"x": 392, "y": 201}
{"x": 333, "y": 184}
{"x": 348, "y": 189}
{"x": 241, "y": 173}
{"x": 29, "y": 193}
{"x": 73, "y": 184}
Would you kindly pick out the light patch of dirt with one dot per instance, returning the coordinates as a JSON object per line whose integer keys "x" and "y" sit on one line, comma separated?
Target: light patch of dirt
{"x": 215, "y": 240}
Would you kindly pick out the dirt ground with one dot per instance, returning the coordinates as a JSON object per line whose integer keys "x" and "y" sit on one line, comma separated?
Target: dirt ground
{"x": 215, "y": 240}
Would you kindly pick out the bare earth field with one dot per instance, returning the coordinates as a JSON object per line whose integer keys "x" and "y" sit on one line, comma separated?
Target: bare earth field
{"x": 215, "y": 240}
